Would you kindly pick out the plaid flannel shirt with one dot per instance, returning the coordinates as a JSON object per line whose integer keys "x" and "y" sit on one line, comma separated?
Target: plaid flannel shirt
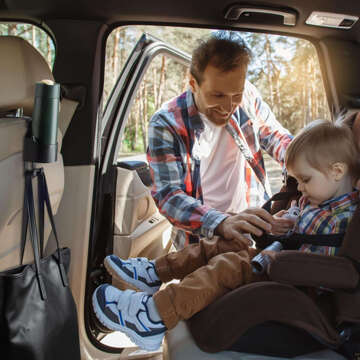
{"x": 172, "y": 131}
{"x": 330, "y": 217}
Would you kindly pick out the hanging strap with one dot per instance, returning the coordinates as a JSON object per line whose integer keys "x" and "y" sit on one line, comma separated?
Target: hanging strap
{"x": 29, "y": 219}
{"x": 41, "y": 215}
{"x": 44, "y": 198}
{"x": 24, "y": 226}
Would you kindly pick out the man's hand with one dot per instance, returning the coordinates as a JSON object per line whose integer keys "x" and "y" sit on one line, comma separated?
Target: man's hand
{"x": 250, "y": 221}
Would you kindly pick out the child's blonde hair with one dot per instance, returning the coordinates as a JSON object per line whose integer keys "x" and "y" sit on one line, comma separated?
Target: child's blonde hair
{"x": 324, "y": 143}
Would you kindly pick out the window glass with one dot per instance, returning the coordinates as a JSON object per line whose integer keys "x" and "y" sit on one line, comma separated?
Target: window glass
{"x": 34, "y": 35}
{"x": 284, "y": 69}
{"x": 155, "y": 88}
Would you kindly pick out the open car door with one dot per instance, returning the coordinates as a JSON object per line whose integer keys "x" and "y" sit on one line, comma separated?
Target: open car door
{"x": 130, "y": 224}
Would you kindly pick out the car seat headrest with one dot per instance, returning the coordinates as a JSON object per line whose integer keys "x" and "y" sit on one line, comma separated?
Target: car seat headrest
{"x": 21, "y": 66}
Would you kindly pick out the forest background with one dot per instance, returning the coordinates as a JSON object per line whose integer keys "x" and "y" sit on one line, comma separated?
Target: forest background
{"x": 284, "y": 69}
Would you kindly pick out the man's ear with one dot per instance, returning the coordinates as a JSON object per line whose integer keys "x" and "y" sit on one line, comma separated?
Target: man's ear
{"x": 193, "y": 83}
{"x": 338, "y": 170}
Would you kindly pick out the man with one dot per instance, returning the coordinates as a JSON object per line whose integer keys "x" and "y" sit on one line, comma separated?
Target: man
{"x": 205, "y": 148}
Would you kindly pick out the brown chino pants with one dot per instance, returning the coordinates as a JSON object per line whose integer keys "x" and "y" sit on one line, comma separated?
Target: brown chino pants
{"x": 207, "y": 271}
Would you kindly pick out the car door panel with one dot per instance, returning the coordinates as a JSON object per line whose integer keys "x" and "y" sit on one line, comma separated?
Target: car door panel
{"x": 138, "y": 223}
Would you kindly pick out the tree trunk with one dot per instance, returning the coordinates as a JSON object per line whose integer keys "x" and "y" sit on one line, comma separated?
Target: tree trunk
{"x": 136, "y": 115}
{"x": 33, "y": 35}
{"x": 304, "y": 97}
{"x": 268, "y": 65}
{"x": 12, "y": 30}
{"x": 115, "y": 58}
{"x": 48, "y": 51}
{"x": 121, "y": 44}
{"x": 308, "y": 94}
{"x": 278, "y": 106}
{"x": 314, "y": 110}
{"x": 155, "y": 88}
{"x": 145, "y": 118}
{"x": 161, "y": 82}
{"x": 143, "y": 114}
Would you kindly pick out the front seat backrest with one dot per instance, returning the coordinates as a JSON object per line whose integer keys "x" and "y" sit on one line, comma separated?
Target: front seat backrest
{"x": 21, "y": 66}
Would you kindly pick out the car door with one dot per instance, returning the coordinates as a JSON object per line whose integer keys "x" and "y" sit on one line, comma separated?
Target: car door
{"x": 130, "y": 224}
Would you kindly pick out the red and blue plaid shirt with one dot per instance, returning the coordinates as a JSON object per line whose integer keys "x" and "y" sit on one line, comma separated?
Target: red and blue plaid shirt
{"x": 172, "y": 131}
{"x": 330, "y": 217}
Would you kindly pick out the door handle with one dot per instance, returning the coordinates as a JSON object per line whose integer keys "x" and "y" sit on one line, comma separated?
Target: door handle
{"x": 235, "y": 11}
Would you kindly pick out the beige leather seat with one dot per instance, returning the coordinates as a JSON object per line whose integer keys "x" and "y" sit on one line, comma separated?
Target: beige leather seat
{"x": 21, "y": 66}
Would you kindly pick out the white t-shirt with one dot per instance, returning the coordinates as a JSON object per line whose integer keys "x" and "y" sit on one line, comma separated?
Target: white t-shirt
{"x": 222, "y": 169}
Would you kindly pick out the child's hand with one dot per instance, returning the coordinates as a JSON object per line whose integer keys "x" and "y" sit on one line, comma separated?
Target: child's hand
{"x": 281, "y": 225}
{"x": 285, "y": 219}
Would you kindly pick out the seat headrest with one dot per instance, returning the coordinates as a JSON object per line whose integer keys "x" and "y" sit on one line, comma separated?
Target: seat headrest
{"x": 21, "y": 66}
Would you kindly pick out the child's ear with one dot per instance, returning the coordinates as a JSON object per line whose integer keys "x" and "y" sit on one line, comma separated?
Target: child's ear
{"x": 338, "y": 170}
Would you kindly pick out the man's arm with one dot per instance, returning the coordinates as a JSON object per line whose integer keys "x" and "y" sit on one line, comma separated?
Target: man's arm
{"x": 167, "y": 166}
{"x": 274, "y": 138}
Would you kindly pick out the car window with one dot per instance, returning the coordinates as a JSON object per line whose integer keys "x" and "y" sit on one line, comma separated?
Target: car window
{"x": 285, "y": 70}
{"x": 155, "y": 88}
{"x": 36, "y": 36}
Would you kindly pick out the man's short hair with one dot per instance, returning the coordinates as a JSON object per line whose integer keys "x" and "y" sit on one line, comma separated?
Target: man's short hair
{"x": 225, "y": 50}
{"x": 324, "y": 143}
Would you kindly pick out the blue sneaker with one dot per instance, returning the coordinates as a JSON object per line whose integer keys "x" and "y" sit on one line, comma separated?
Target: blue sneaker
{"x": 135, "y": 273}
{"x": 127, "y": 311}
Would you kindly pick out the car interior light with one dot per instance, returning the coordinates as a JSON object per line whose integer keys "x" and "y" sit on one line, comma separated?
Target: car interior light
{"x": 326, "y": 19}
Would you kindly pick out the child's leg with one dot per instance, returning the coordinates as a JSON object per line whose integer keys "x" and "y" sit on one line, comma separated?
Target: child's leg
{"x": 177, "y": 265}
{"x": 147, "y": 275}
{"x": 145, "y": 318}
{"x": 224, "y": 272}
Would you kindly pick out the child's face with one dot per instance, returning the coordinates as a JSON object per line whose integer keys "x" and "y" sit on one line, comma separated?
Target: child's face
{"x": 315, "y": 185}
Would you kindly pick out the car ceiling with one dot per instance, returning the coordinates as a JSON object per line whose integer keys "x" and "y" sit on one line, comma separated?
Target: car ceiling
{"x": 197, "y": 12}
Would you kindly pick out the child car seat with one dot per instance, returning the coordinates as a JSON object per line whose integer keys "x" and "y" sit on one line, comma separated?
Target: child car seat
{"x": 255, "y": 317}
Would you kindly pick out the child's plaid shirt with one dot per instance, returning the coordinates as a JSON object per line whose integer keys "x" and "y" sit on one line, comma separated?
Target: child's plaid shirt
{"x": 330, "y": 217}
{"x": 172, "y": 132}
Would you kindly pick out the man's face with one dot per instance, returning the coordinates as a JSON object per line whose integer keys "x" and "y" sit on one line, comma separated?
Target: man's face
{"x": 219, "y": 93}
